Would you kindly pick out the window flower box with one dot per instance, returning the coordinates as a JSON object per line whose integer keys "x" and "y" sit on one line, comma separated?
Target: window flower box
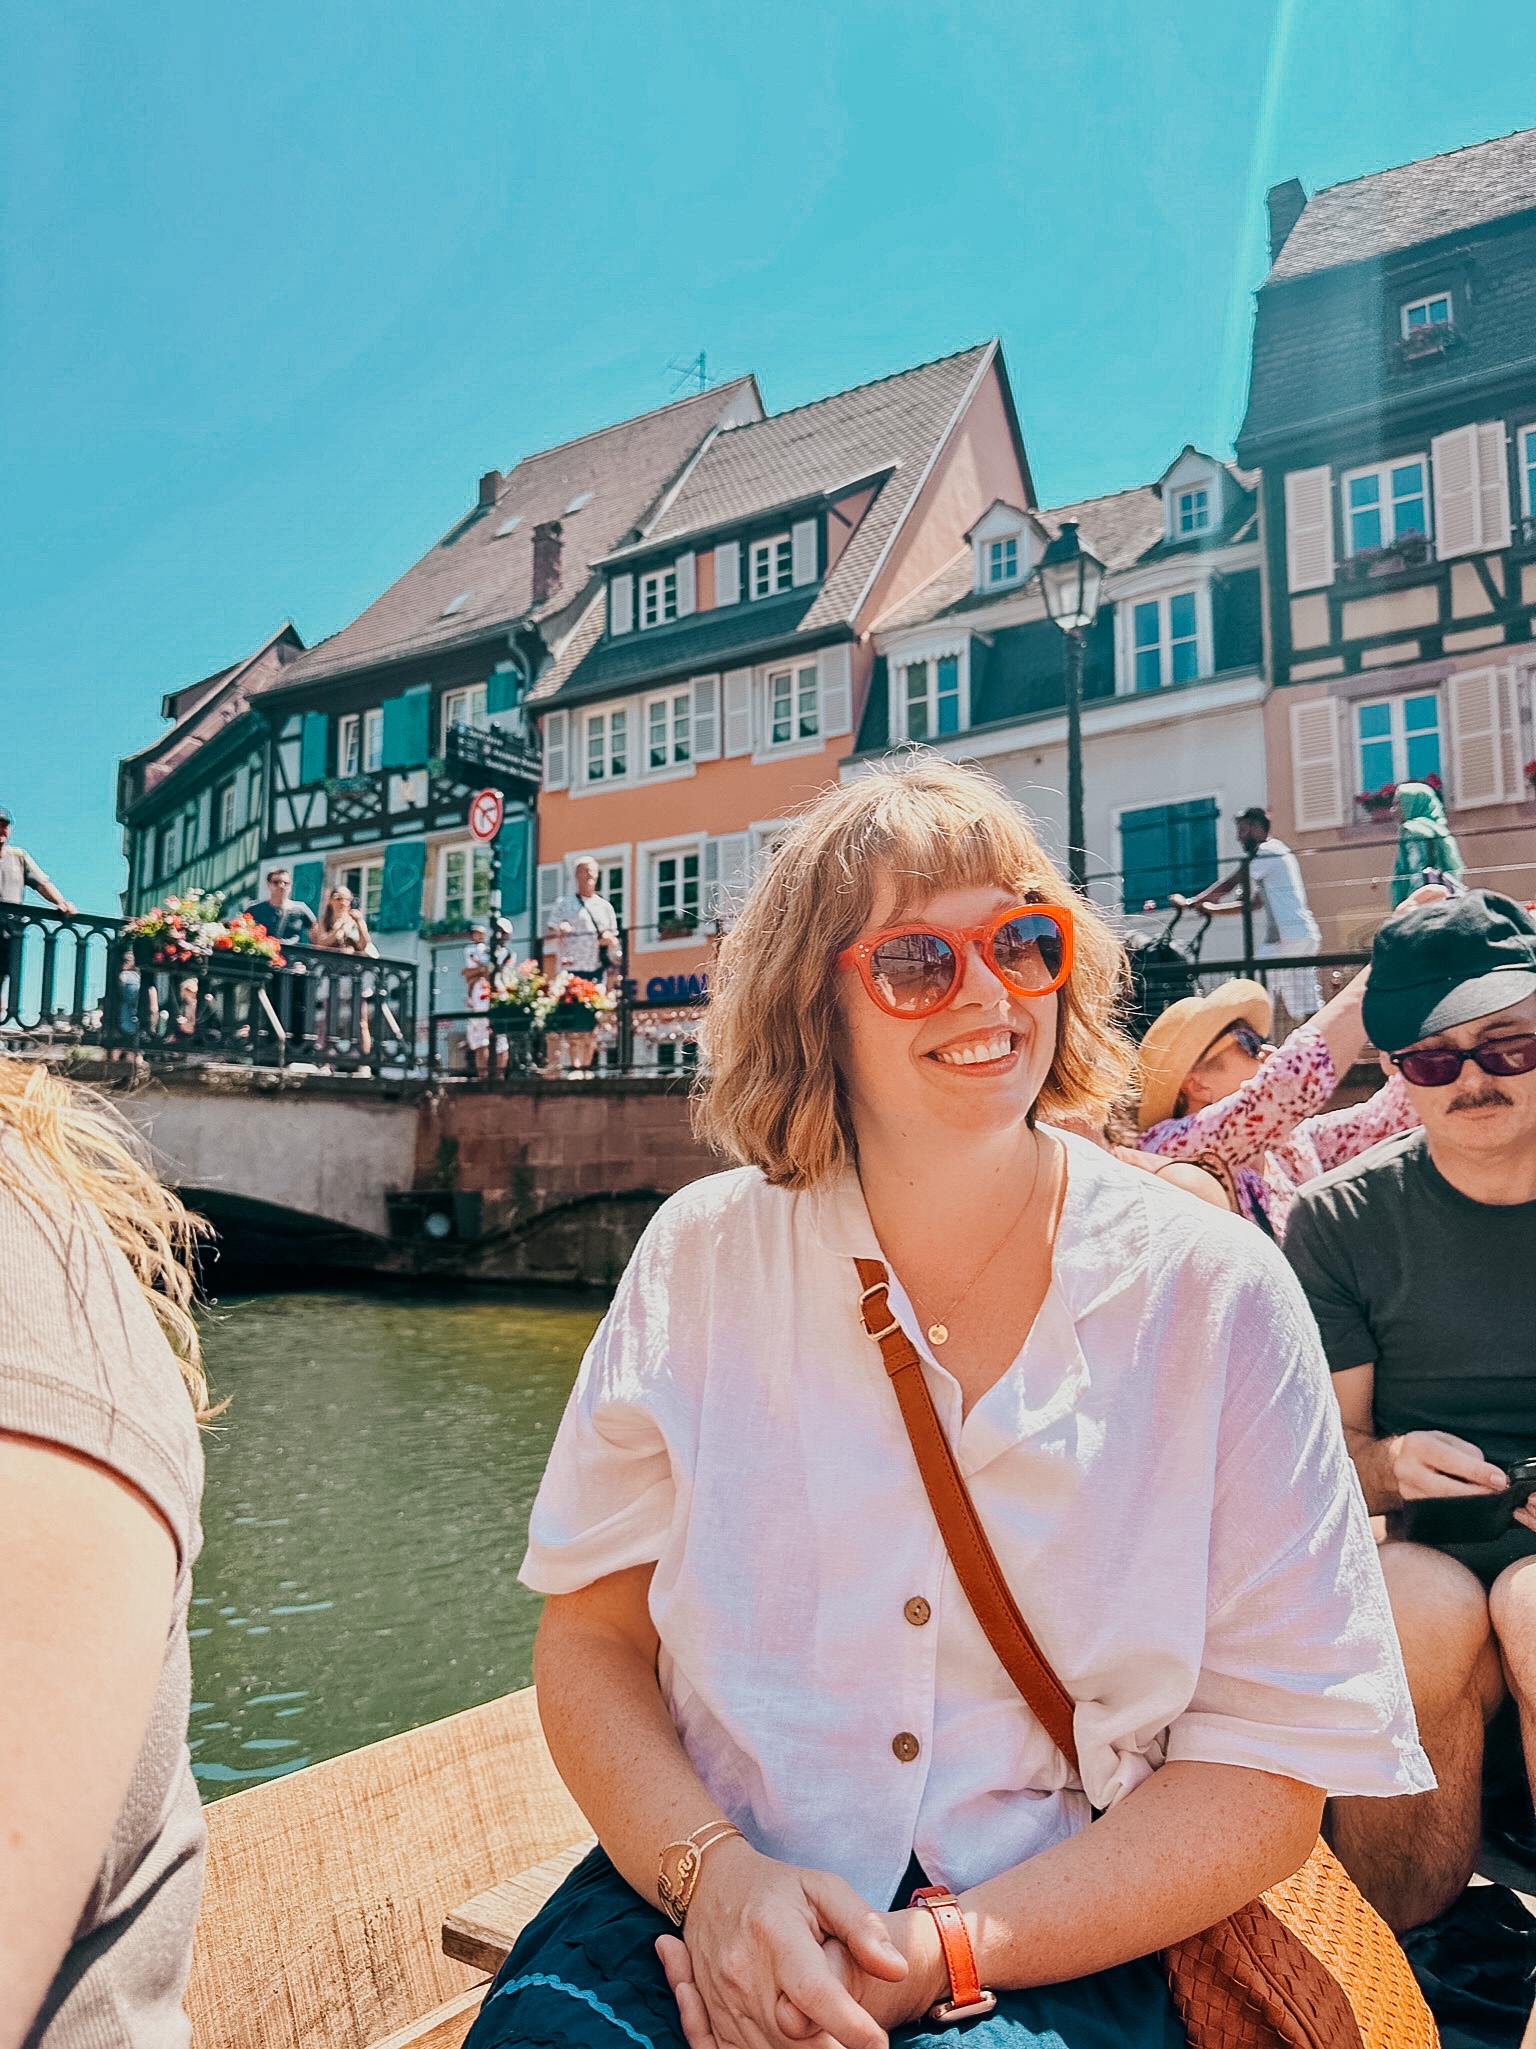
{"x": 1432, "y": 338}
{"x": 678, "y": 928}
{"x": 1408, "y": 551}
{"x": 1377, "y": 803}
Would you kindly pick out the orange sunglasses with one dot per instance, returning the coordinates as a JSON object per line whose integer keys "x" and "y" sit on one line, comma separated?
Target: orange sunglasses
{"x": 914, "y": 970}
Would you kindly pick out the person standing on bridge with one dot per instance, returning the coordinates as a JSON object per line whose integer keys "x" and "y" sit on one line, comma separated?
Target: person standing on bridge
{"x": 1283, "y": 924}
{"x": 582, "y": 932}
{"x": 278, "y": 915}
{"x": 18, "y": 873}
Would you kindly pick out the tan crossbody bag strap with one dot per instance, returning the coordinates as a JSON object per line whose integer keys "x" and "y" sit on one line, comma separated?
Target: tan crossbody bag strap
{"x": 965, "y": 1540}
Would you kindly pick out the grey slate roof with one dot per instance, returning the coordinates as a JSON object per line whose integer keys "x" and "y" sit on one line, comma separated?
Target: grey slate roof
{"x": 626, "y": 469}
{"x": 1412, "y": 203}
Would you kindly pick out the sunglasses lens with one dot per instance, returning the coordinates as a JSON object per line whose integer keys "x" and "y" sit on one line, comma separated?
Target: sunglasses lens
{"x": 1430, "y": 1070}
{"x": 913, "y": 972}
{"x": 1028, "y": 951}
{"x": 1508, "y": 1056}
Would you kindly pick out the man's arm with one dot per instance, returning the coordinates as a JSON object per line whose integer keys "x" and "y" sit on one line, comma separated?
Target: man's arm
{"x": 1416, "y": 1466}
{"x": 1212, "y": 893}
{"x": 44, "y": 888}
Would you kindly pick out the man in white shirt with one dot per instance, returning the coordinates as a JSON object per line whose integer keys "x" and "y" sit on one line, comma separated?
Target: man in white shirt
{"x": 1283, "y": 924}
{"x": 18, "y": 873}
{"x": 582, "y": 932}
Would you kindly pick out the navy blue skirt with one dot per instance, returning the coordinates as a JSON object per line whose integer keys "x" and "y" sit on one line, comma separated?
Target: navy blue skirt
{"x": 585, "y": 1975}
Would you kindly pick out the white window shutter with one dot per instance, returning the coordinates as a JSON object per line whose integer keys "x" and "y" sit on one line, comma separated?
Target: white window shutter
{"x": 802, "y": 551}
{"x": 837, "y": 689}
{"x": 1510, "y": 753}
{"x": 621, "y": 604}
{"x": 737, "y": 690}
{"x": 687, "y": 586}
{"x": 1309, "y": 529}
{"x": 727, "y": 873}
{"x": 1317, "y": 782}
{"x": 551, "y": 888}
{"x": 1458, "y": 522}
{"x": 1492, "y": 485}
{"x": 728, "y": 573}
{"x": 556, "y": 728}
{"x": 1477, "y": 775}
{"x": 706, "y": 718}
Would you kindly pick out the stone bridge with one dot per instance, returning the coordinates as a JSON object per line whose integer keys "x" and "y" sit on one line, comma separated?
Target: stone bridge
{"x": 550, "y": 1182}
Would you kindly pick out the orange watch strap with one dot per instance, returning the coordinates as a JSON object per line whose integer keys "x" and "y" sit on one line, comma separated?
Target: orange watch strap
{"x": 967, "y": 1996}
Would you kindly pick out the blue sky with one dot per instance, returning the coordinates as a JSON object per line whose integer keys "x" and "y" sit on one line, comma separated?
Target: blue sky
{"x": 280, "y": 282}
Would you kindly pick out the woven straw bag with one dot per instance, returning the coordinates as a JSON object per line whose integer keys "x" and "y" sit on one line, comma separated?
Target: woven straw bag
{"x": 1310, "y": 1964}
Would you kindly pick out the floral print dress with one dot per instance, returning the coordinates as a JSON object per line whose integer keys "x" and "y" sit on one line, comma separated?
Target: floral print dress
{"x": 1273, "y": 1134}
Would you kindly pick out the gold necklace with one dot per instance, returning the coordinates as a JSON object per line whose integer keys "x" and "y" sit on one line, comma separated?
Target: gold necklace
{"x": 938, "y": 1330}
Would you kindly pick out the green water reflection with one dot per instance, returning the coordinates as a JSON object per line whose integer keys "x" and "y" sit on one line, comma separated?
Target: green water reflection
{"x": 367, "y": 1496}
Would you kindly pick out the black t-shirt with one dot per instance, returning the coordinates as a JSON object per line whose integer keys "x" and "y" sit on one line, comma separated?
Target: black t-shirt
{"x": 1437, "y": 1292}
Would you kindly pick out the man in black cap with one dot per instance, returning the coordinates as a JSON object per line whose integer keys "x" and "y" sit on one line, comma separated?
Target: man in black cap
{"x": 1419, "y": 1261}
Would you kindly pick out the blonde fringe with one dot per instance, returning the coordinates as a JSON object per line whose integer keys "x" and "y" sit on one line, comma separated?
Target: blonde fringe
{"x": 93, "y": 1156}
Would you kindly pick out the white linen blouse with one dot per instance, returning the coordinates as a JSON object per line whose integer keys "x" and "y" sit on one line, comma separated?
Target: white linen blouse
{"x": 1161, "y": 1471}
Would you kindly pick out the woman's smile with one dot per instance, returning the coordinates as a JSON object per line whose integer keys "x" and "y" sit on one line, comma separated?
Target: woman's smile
{"x": 994, "y": 1050}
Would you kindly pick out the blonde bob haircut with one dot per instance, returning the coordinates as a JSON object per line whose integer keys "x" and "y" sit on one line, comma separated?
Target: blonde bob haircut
{"x": 771, "y": 1095}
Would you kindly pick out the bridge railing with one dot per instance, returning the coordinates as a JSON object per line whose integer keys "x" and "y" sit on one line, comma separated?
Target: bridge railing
{"x": 74, "y": 979}
{"x": 640, "y": 1036}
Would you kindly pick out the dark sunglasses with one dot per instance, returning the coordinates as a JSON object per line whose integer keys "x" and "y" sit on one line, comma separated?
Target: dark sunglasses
{"x": 914, "y": 970}
{"x": 1243, "y": 1036}
{"x": 1436, "y": 1067}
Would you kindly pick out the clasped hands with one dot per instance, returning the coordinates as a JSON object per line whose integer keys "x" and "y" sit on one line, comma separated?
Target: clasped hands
{"x": 776, "y": 1954}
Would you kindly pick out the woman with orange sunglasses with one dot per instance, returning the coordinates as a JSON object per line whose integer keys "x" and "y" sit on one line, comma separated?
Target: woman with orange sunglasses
{"x": 825, "y": 1812}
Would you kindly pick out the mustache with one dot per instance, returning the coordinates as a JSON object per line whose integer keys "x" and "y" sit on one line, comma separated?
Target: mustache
{"x": 1483, "y": 1099}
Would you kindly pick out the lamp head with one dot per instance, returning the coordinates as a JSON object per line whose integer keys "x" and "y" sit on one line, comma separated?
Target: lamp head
{"x": 1070, "y": 580}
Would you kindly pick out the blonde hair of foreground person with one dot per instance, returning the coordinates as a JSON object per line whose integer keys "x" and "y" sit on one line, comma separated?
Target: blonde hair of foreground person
{"x": 89, "y": 1156}
{"x": 771, "y": 1096}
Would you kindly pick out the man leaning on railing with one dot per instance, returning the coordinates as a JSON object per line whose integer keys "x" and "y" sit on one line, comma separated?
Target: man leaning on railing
{"x": 18, "y": 873}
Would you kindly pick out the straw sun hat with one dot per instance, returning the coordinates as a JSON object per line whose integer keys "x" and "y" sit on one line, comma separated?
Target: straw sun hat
{"x": 1184, "y": 1031}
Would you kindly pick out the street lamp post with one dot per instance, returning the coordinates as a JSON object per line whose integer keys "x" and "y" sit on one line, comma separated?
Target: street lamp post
{"x": 1070, "y": 579}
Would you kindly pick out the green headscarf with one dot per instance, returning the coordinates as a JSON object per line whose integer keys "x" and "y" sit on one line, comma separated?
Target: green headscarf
{"x": 1424, "y": 840}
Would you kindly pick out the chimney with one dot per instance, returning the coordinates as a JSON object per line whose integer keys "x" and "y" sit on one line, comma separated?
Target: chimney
{"x": 490, "y": 485}
{"x": 1285, "y": 203}
{"x": 546, "y": 560}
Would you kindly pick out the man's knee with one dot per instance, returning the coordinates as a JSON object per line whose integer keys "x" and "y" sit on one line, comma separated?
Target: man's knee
{"x": 1512, "y": 1612}
{"x": 1442, "y": 1617}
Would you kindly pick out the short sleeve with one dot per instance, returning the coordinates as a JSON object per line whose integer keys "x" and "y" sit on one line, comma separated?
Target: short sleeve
{"x": 1301, "y": 1673}
{"x": 609, "y": 1495}
{"x": 1312, "y": 1245}
{"x": 84, "y": 1364}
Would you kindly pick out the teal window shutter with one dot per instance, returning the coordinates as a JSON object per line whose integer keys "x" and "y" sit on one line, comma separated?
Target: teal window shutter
{"x": 309, "y": 884}
{"x": 408, "y": 728}
{"x": 1167, "y": 847}
{"x": 502, "y": 689}
{"x": 405, "y": 867}
{"x": 314, "y": 748}
{"x": 512, "y": 844}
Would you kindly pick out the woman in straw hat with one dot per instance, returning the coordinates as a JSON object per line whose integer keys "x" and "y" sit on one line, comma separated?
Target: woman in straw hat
{"x": 758, "y": 1670}
{"x": 1215, "y": 1092}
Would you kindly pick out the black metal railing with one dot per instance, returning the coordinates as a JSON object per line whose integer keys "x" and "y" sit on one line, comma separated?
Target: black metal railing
{"x": 73, "y": 979}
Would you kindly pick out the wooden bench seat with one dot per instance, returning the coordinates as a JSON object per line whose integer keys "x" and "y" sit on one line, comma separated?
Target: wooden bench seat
{"x": 483, "y": 1930}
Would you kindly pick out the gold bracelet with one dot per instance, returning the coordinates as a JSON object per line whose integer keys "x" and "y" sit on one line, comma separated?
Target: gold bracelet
{"x": 676, "y": 1895}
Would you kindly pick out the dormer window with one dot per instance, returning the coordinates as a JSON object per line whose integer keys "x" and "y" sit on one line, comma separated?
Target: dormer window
{"x": 1002, "y": 547}
{"x": 1003, "y": 560}
{"x": 773, "y": 566}
{"x": 1421, "y": 313}
{"x": 658, "y": 597}
{"x": 1192, "y": 511}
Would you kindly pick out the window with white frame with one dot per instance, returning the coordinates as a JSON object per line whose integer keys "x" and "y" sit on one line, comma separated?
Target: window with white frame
{"x": 669, "y": 730}
{"x": 1528, "y": 471}
{"x": 675, "y": 884}
{"x": 931, "y": 698}
{"x": 1191, "y": 511}
{"x": 1003, "y": 560}
{"x": 1165, "y": 640}
{"x": 349, "y": 744}
{"x": 170, "y": 846}
{"x": 791, "y": 705}
{"x": 1398, "y": 740}
{"x": 606, "y": 758}
{"x": 658, "y": 597}
{"x": 1431, "y": 312}
{"x": 1383, "y": 504}
{"x": 365, "y": 879}
{"x": 464, "y": 708}
{"x": 466, "y": 885}
{"x": 228, "y": 807}
{"x": 773, "y": 566}
{"x": 373, "y": 739}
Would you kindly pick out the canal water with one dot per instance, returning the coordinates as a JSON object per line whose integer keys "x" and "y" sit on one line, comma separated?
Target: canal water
{"x": 367, "y": 1496}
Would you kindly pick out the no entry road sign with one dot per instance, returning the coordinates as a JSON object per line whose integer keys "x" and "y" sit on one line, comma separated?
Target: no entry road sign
{"x": 485, "y": 814}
